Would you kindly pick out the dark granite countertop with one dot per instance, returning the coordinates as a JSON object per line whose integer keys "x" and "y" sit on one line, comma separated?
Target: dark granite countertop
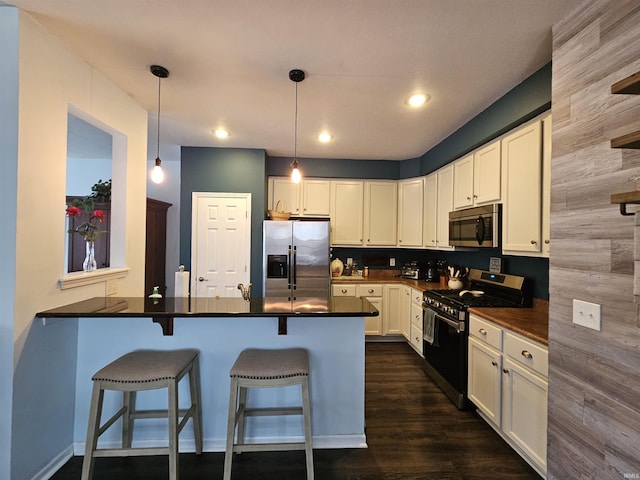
{"x": 164, "y": 310}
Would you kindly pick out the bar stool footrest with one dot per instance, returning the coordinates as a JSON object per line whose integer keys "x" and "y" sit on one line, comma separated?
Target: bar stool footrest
{"x": 268, "y": 447}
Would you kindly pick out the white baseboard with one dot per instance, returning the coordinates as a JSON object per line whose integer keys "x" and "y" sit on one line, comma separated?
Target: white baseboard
{"x": 55, "y": 464}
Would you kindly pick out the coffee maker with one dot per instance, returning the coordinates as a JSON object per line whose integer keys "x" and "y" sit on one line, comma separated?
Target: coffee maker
{"x": 431, "y": 272}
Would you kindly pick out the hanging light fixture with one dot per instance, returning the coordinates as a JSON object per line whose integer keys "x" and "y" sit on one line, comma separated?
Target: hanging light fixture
{"x": 157, "y": 175}
{"x": 296, "y": 76}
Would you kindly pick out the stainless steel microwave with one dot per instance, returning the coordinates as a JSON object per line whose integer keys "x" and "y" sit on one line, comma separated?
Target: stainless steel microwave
{"x": 476, "y": 227}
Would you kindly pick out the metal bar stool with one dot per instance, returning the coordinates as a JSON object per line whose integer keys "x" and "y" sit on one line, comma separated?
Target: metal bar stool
{"x": 144, "y": 370}
{"x": 256, "y": 368}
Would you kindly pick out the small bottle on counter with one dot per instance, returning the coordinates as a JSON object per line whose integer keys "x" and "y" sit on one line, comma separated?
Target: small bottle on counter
{"x": 365, "y": 272}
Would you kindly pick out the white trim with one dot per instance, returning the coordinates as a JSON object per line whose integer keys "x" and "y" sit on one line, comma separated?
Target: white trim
{"x": 55, "y": 464}
{"x": 80, "y": 279}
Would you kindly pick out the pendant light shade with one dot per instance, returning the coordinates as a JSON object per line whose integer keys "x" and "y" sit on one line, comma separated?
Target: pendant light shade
{"x": 157, "y": 175}
{"x": 296, "y": 76}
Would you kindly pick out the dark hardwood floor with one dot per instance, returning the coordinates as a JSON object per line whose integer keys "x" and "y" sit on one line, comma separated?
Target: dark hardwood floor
{"x": 413, "y": 432}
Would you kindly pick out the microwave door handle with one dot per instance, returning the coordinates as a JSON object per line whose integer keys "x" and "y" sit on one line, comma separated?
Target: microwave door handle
{"x": 480, "y": 230}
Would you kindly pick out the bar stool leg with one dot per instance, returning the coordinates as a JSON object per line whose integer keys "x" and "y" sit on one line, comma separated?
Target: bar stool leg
{"x": 95, "y": 414}
{"x": 173, "y": 430}
{"x": 231, "y": 428}
{"x": 196, "y": 400}
{"x": 242, "y": 407}
{"x": 129, "y": 402}
{"x": 308, "y": 441}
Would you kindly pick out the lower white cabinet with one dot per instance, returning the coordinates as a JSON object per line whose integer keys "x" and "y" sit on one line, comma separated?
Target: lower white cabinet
{"x": 415, "y": 313}
{"x": 394, "y": 309}
{"x": 508, "y": 382}
{"x": 373, "y": 293}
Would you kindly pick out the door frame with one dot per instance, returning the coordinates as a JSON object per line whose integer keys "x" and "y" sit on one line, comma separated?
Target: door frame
{"x": 195, "y": 196}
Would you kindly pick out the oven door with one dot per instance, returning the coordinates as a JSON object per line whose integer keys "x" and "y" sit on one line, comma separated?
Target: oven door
{"x": 445, "y": 354}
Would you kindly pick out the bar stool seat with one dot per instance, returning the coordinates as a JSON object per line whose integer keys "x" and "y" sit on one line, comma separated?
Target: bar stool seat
{"x": 137, "y": 371}
{"x": 258, "y": 368}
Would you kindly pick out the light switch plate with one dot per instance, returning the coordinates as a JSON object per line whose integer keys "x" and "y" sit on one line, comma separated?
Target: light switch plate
{"x": 587, "y": 314}
{"x": 392, "y": 262}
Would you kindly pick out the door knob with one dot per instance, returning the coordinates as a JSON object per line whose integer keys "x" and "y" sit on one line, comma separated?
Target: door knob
{"x": 202, "y": 279}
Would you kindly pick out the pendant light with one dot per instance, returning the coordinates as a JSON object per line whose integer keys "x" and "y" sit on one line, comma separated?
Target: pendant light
{"x": 296, "y": 76}
{"x": 157, "y": 175}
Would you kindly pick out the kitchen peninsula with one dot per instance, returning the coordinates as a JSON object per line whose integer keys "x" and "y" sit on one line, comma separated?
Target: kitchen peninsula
{"x": 331, "y": 329}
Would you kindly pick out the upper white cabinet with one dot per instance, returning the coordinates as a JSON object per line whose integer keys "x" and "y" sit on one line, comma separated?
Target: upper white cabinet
{"x": 463, "y": 182}
{"x": 380, "y": 213}
{"x": 311, "y": 197}
{"x": 477, "y": 177}
{"x": 430, "y": 226}
{"x": 410, "y": 204}
{"x": 445, "y": 205}
{"x": 487, "y": 171}
{"x": 347, "y": 212}
{"x": 546, "y": 185}
{"x": 522, "y": 178}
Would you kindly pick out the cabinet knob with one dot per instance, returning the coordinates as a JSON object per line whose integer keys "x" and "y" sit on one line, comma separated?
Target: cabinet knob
{"x": 371, "y": 290}
{"x": 468, "y": 198}
{"x": 546, "y": 242}
{"x": 533, "y": 242}
{"x": 504, "y": 370}
{"x": 344, "y": 290}
{"x": 482, "y": 331}
{"x": 527, "y": 354}
{"x": 400, "y": 241}
{"x": 475, "y": 196}
{"x": 494, "y": 363}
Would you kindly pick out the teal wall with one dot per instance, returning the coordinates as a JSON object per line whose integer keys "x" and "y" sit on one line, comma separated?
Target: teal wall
{"x": 524, "y": 102}
{"x": 230, "y": 170}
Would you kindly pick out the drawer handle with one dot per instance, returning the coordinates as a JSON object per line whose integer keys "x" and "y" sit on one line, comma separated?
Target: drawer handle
{"x": 344, "y": 290}
{"x": 482, "y": 331}
{"x": 371, "y": 290}
{"x": 494, "y": 363}
{"x": 534, "y": 242}
{"x": 504, "y": 370}
{"x": 526, "y": 354}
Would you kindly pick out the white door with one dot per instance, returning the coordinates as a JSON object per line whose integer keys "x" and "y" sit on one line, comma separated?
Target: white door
{"x": 221, "y": 243}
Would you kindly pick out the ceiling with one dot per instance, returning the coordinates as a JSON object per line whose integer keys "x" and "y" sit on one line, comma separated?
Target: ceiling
{"x": 229, "y": 62}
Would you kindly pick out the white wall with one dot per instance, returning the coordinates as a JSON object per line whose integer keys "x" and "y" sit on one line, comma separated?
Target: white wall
{"x": 53, "y": 80}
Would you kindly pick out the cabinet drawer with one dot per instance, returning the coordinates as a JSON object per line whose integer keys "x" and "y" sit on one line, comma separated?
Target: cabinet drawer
{"x": 368, "y": 290}
{"x": 416, "y": 296}
{"x": 485, "y": 331}
{"x": 528, "y": 353}
{"x": 343, "y": 290}
{"x": 416, "y": 315}
{"x": 415, "y": 337}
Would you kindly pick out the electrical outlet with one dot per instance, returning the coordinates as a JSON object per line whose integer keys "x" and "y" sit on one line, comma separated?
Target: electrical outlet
{"x": 349, "y": 261}
{"x": 587, "y": 314}
{"x": 392, "y": 262}
{"x": 112, "y": 287}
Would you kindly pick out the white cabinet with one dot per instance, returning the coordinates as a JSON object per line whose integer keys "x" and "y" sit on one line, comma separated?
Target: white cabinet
{"x": 373, "y": 293}
{"x": 522, "y": 172}
{"x": 405, "y": 319}
{"x": 430, "y": 225}
{"x": 311, "y": 197}
{"x": 415, "y": 313}
{"x": 546, "y": 185}
{"x": 393, "y": 308}
{"x": 347, "y": 201}
{"x": 380, "y": 213}
{"x": 508, "y": 383}
{"x": 445, "y": 205}
{"x": 463, "y": 182}
{"x": 410, "y": 216}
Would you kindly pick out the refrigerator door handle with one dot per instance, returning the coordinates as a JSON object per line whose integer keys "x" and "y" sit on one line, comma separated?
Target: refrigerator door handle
{"x": 290, "y": 268}
{"x": 295, "y": 266}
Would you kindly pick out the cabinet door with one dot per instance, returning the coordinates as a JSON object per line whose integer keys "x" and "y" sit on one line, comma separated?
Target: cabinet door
{"x": 546, "y": 185}
{"x": 487, "y": 174}
{"x": 347, "y": 199}
{"x": 484, "y": 382}
{"x": 522, "y": 163}
{"x": 287, "y": 192}
{"x": 524, "y": 414}
{"x": 410, "y": 201}
{"x": 463, "y": 182}
{"x": 380, "y": 213}
{"x": 405, "y": 318}
{"x": 316, "y": 195}
{"x": 445, "y": 205}
{"x": 373, "y": 325}
{"x": 393, "y": 310}
{"x": 430, "y": 210}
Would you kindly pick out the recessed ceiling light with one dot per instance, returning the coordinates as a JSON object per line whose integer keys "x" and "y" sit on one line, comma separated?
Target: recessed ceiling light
{"x": 221, "y": 133}
{"x": 325, "y": 137}
{"x": 417, "y": 100}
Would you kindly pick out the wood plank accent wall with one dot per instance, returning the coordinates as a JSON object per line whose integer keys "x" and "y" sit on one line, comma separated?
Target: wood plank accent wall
{"x": 594, "y": 377}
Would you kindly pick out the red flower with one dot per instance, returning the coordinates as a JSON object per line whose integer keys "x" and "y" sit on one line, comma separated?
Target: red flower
{"x": 99, "y": 214}
{"x": 75, "y": 211}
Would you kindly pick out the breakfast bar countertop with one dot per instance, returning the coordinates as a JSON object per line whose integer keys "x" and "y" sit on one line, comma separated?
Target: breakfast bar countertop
{"x": 164, "y": 310}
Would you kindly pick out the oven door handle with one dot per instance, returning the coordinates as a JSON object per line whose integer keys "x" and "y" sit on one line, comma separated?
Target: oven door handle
{"x": 459, "y": 326}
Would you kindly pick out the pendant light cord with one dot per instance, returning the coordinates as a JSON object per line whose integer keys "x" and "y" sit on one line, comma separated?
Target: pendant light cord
{"x": 158, "y": 138}
{"x": 295, "y": 135}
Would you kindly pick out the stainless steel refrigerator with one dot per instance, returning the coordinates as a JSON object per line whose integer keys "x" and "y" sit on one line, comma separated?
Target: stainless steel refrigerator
{"x": 296, "y": 260}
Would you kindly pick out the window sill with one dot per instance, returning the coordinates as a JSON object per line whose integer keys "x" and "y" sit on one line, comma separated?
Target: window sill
{"x": 80, "y": 279}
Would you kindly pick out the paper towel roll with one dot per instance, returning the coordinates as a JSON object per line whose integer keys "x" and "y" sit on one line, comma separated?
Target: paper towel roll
{"x": 182, "y": 284}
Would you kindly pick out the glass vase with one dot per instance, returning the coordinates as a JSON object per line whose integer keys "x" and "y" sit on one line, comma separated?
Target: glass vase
{"x": 89, "y": 264}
